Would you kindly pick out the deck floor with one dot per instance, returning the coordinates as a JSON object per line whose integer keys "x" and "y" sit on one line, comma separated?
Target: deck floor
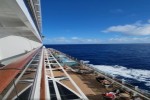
{"x": 81, "y": 81}
{"x": 88, "y": 84}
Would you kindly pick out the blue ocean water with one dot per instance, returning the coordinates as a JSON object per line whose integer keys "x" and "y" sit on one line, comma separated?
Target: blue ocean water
{"x": 128, "y": 61}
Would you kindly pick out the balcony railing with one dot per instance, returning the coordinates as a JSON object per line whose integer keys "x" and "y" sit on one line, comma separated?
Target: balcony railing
{"x": 32, "y": 14}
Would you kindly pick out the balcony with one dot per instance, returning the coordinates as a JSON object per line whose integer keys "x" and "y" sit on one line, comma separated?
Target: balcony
{"x": 33, "y": 7}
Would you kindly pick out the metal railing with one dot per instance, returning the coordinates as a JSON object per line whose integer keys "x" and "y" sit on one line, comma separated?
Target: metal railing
{"x": 31, "y": 12}
{"x": 12, "y": 86}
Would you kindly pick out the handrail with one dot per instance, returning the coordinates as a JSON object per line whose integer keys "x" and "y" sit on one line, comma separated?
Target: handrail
{"x": 7, "y": 76}
{"x": 32, "y": 14}
{"x": 42, "y": 92}
{"x": 37, "y": 79}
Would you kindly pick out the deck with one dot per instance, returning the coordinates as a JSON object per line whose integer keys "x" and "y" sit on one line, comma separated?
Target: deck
{"x": 58, "y": 81}
{"x": 88, "y": 84}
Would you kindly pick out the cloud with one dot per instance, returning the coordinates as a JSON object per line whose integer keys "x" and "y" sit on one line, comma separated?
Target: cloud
{"x": 72, "y": 40}
{"x": 114, "y": 40}
{"x": 129, "y": 40}
{"x": 137, "y": 28}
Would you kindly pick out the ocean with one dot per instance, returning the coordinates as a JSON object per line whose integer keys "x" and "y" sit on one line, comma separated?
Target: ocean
{"x": 125, "y": 61}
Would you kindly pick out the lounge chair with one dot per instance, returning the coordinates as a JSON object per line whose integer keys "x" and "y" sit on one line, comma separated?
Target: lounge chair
{"x": 100, "y": 78}
{"x": 108, "y": 96}
{"x": 88, "y": 72}
{"x": 79, "y": 71}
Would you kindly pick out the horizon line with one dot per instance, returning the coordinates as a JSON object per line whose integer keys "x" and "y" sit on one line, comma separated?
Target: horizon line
{"x": 95, "y": 43}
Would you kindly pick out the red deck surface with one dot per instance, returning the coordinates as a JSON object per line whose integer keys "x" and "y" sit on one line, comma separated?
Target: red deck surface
{"x": 9, "y": 72}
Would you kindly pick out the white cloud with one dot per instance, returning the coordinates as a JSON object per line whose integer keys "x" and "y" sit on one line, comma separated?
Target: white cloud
{"x": 59, "y": 40}
{"x": 129, "y": 40}
{"x": 77, "y": 40}
{"x": 137, "y": 28}
{"x": 72, "y": 40}
{"x": 149, "y": 20}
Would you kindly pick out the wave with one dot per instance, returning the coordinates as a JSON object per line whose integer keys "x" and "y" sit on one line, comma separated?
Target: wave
{"x": 135, "y": 74}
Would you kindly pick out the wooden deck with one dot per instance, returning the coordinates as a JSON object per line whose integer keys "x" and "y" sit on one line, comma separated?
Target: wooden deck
{"x": 90, "y": 86}
{"x": 86, "y": 82}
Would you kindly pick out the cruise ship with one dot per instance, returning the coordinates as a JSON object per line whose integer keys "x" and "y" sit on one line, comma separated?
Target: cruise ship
{"x": 30, "y": 71}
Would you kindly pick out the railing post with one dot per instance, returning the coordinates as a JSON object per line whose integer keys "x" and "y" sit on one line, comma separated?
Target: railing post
{"x": 113, "y": 77}
{"x": 136, "y": 87}
{"x": 123, "y": 81}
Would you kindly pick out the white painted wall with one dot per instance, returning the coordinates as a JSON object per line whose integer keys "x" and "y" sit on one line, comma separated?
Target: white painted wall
{"x": 13, "y": 45}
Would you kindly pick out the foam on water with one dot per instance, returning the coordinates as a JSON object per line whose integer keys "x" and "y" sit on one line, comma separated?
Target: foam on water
{"x": 136, "y": 74}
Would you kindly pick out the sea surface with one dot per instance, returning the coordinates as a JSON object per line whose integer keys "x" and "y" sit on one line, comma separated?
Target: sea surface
{"x": 125, "y": 61}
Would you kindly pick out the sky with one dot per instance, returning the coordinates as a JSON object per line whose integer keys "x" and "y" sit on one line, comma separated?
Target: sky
{"x": 95, "y": 21}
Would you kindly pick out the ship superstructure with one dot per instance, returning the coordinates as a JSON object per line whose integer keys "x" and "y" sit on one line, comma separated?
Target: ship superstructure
{"x": 20, "y": 46}
{"x": 29, "y": 71}
{"x": 20, "y": 28}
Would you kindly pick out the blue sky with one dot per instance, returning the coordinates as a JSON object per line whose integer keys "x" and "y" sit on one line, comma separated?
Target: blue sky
{"x": 95, "y": 21}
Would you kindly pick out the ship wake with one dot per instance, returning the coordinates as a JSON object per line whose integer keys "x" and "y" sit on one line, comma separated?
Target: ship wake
{"x": 139, "y": 75}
